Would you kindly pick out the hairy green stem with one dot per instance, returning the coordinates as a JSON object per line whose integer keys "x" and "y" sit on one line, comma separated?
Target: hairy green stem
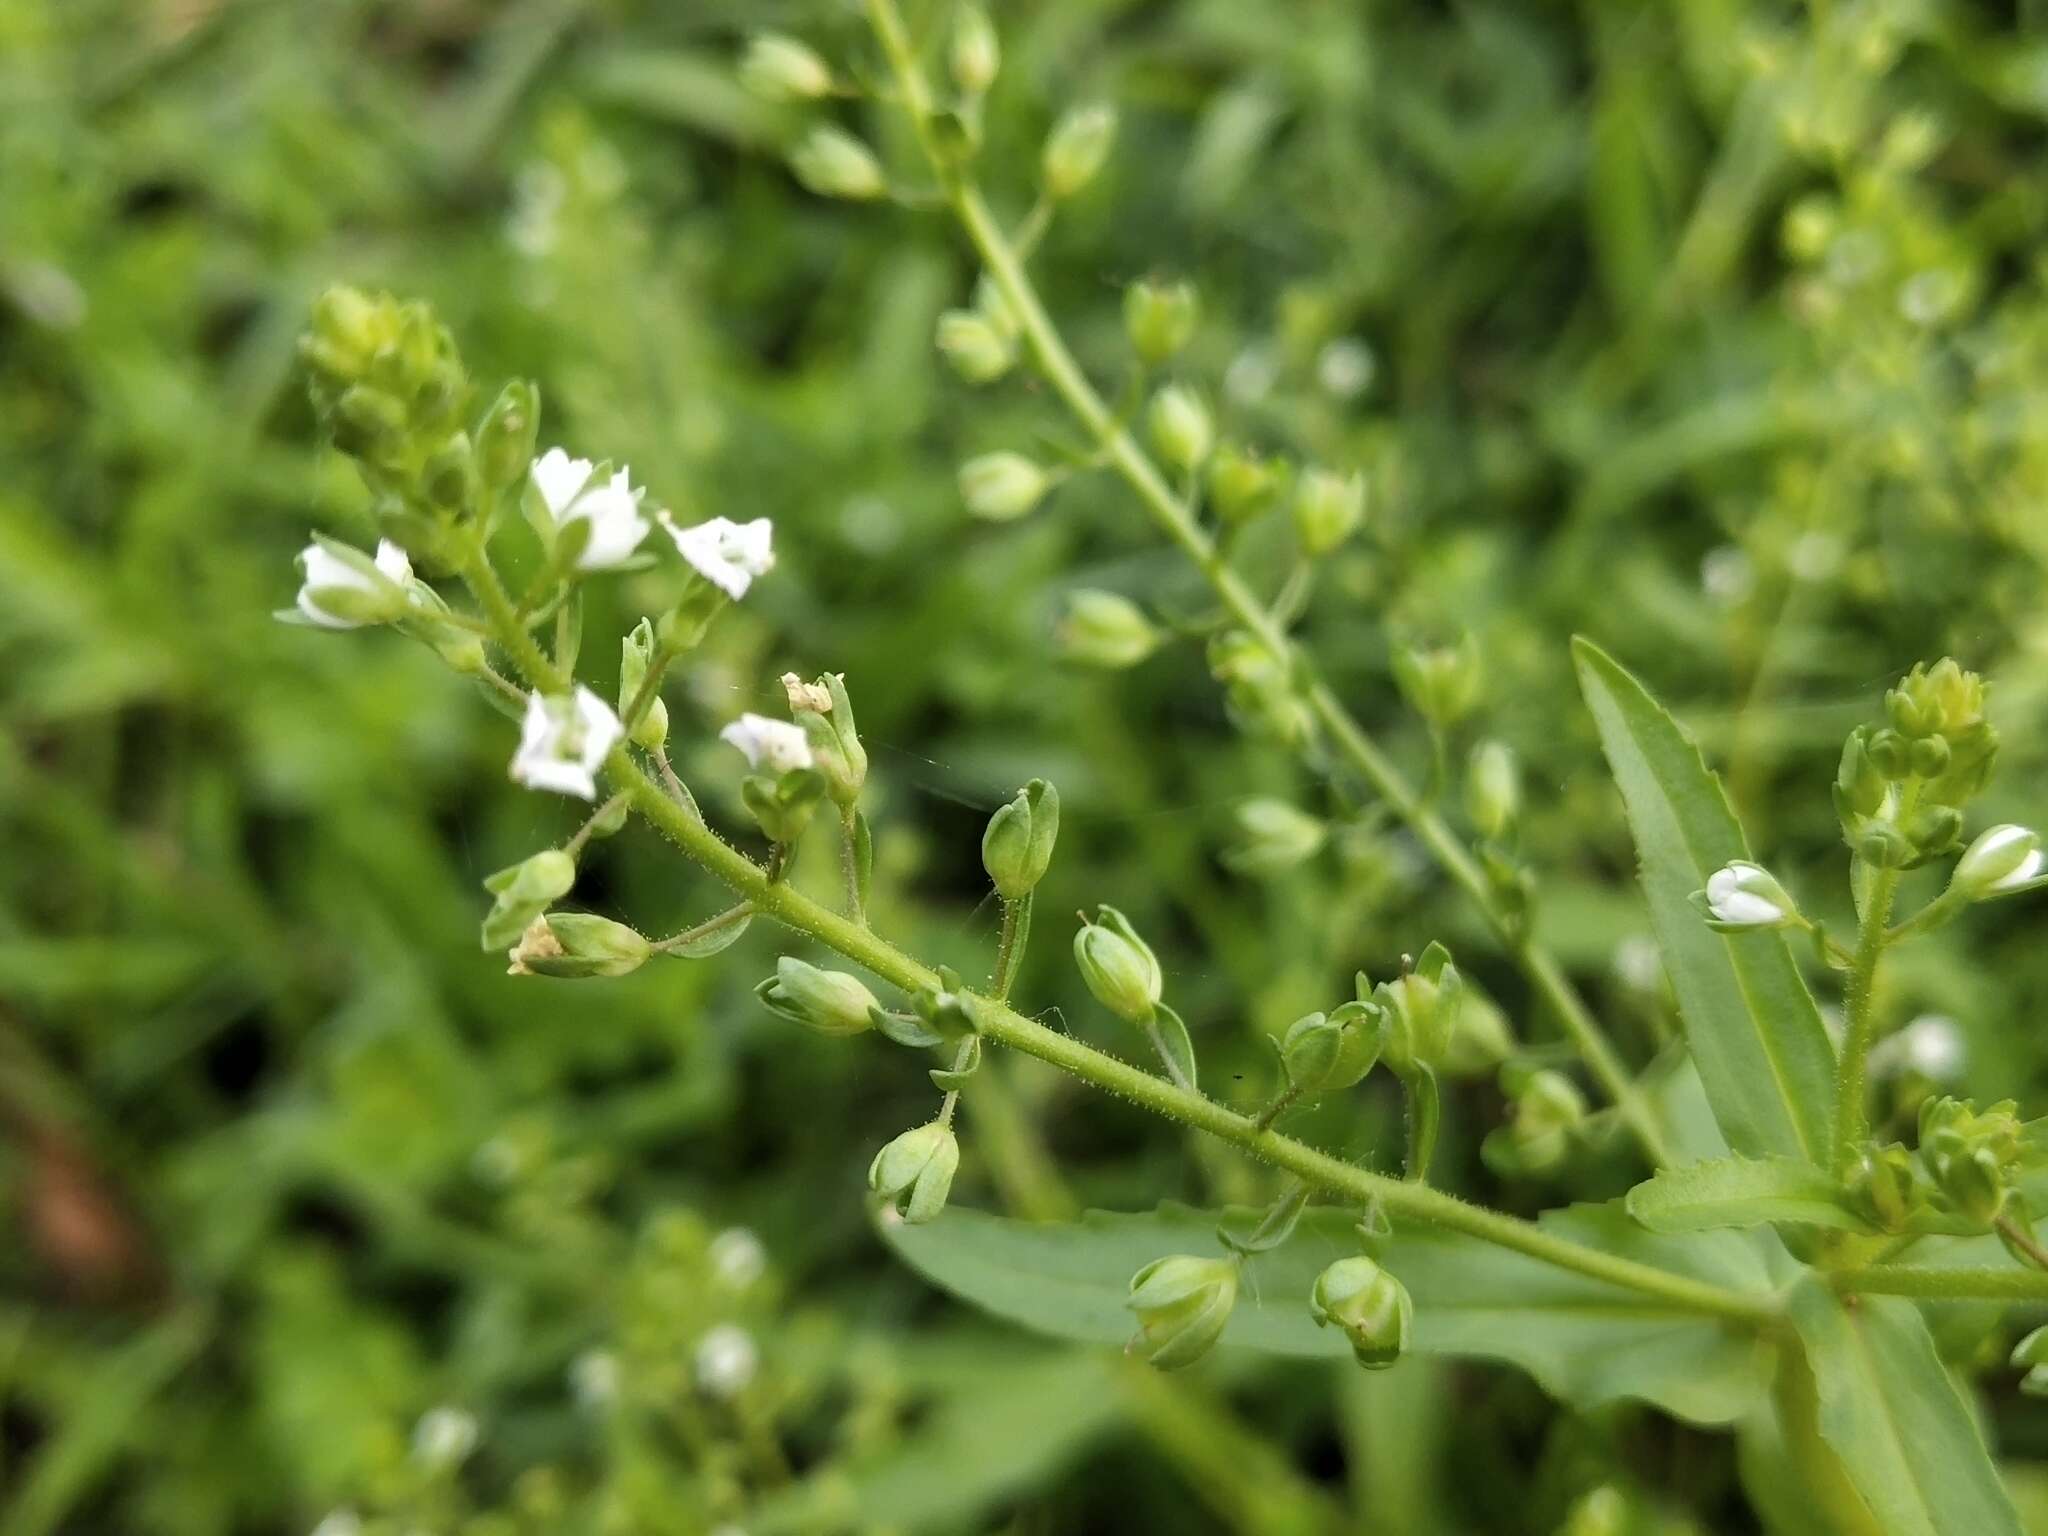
{"x": 1852, "y": 1124}
{"x": 1986, "y": 1284}
{"x": 849, "y": 861}
{"x": 1121, "y": 452}
{"x": 1010, "y": 947}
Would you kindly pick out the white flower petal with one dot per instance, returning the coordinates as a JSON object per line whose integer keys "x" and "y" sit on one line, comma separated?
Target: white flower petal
{"x": 325, "y": 571}
{"x": 559, "y": 479}
{"x": 392, "y": 562}
{"x": 775, "y": 745}
{"x": 1746, "y": 909}
{"x": 616, "y": 526}
{"x": 729, "y": 555}
{"x": 562, "y": 742}
{"x": 2029, "y": 868}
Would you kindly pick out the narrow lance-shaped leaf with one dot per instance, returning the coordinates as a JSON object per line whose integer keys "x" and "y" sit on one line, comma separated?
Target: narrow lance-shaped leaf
{"x": 1585, "y": 1340}
{"x": 1754, "y": 1032}
{"x": 1740, "y": 1192}
{"x": 1891, "y": 1412}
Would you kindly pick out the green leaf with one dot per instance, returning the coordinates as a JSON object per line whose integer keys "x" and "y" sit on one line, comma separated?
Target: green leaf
{"x": 1740, "y": 1192}
{"x": 1174, "y": 1045}
{"x": 720, "y": 938}
{"x": 1586, "y": 1341}
{"x": 1891, "y": 1412}
{"x": 1754, "y": 1032}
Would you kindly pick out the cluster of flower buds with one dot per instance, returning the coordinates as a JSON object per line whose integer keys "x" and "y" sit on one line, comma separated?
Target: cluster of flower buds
{"x": 1959, "y": 1179}
{"x": 1369, "y": 1306}
{"x": 1545, "y": 1108}
{"x": 1901, "y": 787}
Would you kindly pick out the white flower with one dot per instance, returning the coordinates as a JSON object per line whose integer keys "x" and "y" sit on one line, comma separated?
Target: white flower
{"x": 726, "y": 1360}
{"x": 562, "y": 742}
{"x": 572, "y": 494}
{"x": 338, "y": 593}
{"x": 444, "y": 1437}
{"x": 1931, "y": 1046}
{"x": 737, "y": 1258}
{"x": 340, "y": 1522}
{"x": 727, "y": 554}
{"x": 775, "y": 745}
{"x": 2002, "y": 859}
{"x": 1744, "y": 895}
{"x": 1639, "y": 963}
{"x": 594, "y": 1378}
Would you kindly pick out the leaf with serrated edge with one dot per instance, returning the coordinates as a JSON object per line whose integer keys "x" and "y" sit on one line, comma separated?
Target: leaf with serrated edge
{"x": 1740, "y": 1192}
{"x": 1891, "y": 1412}
{"x": 1586, "y": 1341}
{"x": 1762, "y": 1052}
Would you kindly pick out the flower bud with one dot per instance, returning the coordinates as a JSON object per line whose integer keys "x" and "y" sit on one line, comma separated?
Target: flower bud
{"x": 1547, "y": 1107}
{"x": 1016, "y": 850}
{"x": 777, "y": 67}
{"x": 1159, "y": 317}
{"x": 2031, "y": 1356}
{"x": 1118, "y": 966}
{"x": 1422, "y": 1008}
{"x": 825, "y": 712}
{"x": 978, "y": 351}
{"x": 976, "y": 53}
{"x": 1102, "y": 629}
{"x": 1884, "y": 1187}
{"x": 2001, "y": 860}
{"x": 1369, "y": 1305}
{"x": 524, "y": 891}
{"x": 1861, "y": 786}
{"x": 1493, "y": 789}
{"x": 578, "y": 944}
{"x": 830, "y": 1002}
{"x": 1883, "y": 846}
{"x": 1076, "y": 149}
{"x": 1326, "y": 1051}
{"x": 1002, "y": 485}
{"x": 1942, "y": 700}
{"x": 1970, "y": 1154}
{"x": 1328, "y": 508}
{"x": 1891, "y": 754}
{"x": 783, "y": 806}
{"x": 636, "y": 652}
{"x": 1741, "y": 896}
{"x": 1933, "y": 830}
{"x": 505, "y": 439}
{"x": 920, "y": 1163}
{"x": 1277, "y": 836}
{"x": 833, "y": 163}
{"x": 1181, "y": 429}
{"x": 1182, "y": 1303}
{"x": 1441, "y": 683}
{"x": 1241, "y": 484}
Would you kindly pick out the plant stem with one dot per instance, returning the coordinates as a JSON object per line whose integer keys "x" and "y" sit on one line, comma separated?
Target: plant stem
{"x": 849, "y": 862}
{"x": 2017, "y": 1239}
{"x": 1120, "y": 451}
{"x": 590, "y": 823}
{"x": 1852, "y": 1123}
{"x": 1010, "y": 947}
{"x": 1986, "y": 1284}
{"x": 1277, "y": 1106}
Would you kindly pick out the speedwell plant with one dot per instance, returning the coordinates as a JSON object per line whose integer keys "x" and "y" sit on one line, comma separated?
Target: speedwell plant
{"x": 1773, "y": 1268}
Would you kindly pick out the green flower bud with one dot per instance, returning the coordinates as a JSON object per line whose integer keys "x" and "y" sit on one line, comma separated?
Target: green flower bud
{"x": 978, "y": 351}
{"x": 1241, "y": 484}
{"x": 1102, "y": 629}
{"x": 2031, "y": 1356}
{"x": 368, "y": 423}
{"x": 1076, "y": 149}
{"x": 2003, "y": 859}
{"x": 1941, "y": 700}
{"x": 976, "y": 53}
{"x": 1181, "y": 429}
{"x": 830, "y": 1002}
{"x": 777, "y": 67}
{"x": 920, "y": 1163}
{"x": 1002, "y": 485}
{"x": 450, "y": 474}
{"x": 1883, "y": 846}
{"x": 1182, "y": 1303}
{"x": 1884, "y": 1187}
{"x": 1422, "y": 1011}
{"x": 1159, "y": 317}
{"x": 506, "y": 437}
{"x": 1929, "y": 757}
{"x": 1861, "y": 787}
{"x": 1970, "y": 1155}
{"x": 1277, "y": 836}
{"x": 1548, "y": 1106}
{"x": 833, "y": 163}
{"x": 1328, "y": 509}
{"x": 636, "y": 653}
{"x": 524, "y": 891}
{"x": 1369, "y": 1306}
{"x": 1890, "y": 753}
{"x": 1481, "y": 1038}
{"x": 1743, "y": 897}
{"x": 1118, "y": 966}
{"x": 1440, "y": 683}
{"x": 783, "y": 806}
{"x": 1933, "y": 830}
{"x": 1016, "y": 850}
{"x": 1326, "y": 1051}
{"x": 1493, "y": 789}
{"x": 578, "y": 944}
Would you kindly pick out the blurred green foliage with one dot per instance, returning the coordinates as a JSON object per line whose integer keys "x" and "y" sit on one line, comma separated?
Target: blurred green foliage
{"x": 1716, "y": 331}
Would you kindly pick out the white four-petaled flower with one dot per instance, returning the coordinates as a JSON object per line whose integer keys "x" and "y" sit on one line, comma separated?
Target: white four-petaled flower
{"x": 775, "y": 745}
{"x": 572, "y": 493}
{"x": 327, "y": 576}
{"x": 563, "y": 740}
{"x": 726, "y": 1360}
{"x": 727, "y": 554}
{"x": 1745, "y": 895}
